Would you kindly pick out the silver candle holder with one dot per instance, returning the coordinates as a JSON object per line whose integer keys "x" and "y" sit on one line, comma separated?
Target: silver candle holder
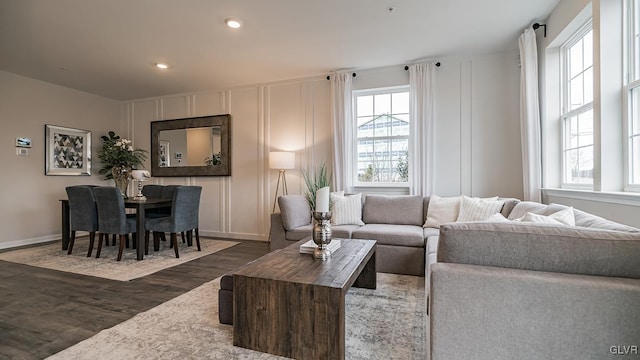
{"x": 322, "y": 234}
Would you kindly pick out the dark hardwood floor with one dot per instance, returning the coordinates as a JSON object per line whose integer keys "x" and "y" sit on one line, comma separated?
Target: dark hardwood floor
{"x": 45, "y": 311}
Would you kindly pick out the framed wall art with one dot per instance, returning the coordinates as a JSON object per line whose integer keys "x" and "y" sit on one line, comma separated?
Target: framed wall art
{"x": 67, "y": 151}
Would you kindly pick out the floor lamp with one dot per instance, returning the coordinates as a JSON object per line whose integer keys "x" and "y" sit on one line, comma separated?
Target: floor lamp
{"x": 281, "y": 161}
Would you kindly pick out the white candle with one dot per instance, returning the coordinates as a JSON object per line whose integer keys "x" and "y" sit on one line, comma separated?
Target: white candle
{"x": 322, "y": 199}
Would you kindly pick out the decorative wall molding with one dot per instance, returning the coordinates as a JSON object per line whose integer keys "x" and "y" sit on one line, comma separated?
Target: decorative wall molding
{"x": 466, "y": 118}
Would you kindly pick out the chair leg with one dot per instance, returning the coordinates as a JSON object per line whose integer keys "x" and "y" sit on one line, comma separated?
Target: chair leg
{"x": 100, "y": 237}
{"x": 182, "y": 235}
{"x": 113, "y": 239}
{"x": 71, "y": 241}
{"x": 123, "y": 238}
{"x": 189, "y": 238}
{"x": 126, "y": 237}
{"x": 92, "y": 238}
{"x": 146, "y": 242}
{"x": 156, "y": 241}
{"x": 198, "y": 239}
{"x": 174, "y": 241}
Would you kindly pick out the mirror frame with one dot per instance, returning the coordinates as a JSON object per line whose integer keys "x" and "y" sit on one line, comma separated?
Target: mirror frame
{"x": 224, "y": 169}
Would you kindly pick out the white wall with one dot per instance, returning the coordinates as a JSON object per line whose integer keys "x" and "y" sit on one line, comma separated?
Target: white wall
{"x": 30, "y": 207}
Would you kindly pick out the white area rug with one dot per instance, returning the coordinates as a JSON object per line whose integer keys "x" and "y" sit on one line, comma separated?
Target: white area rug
{"x": 53, "y": 257}
{"x": 386, "y": 323}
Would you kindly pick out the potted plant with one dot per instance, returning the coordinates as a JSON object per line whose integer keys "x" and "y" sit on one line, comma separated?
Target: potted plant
{"x": 118, "y": 158}
{"x": 321, "y": 178}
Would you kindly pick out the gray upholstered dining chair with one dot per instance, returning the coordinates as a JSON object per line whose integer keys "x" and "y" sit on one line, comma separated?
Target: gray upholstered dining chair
{"x": 184, "y": 216}
{"x": 112, "y": 218}
{"x": 152, "y": 190}
{"x": 83, "y": 214}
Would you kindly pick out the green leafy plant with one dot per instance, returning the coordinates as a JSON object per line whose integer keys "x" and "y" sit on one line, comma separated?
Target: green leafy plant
{"x": 118, "y": 152}
{"x": 319, "y": 179}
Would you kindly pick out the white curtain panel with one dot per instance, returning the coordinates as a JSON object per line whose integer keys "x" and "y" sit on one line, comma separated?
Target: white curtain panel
{"x": 530, "y": 117}
{"x": 421, "y": 100}
{"x": 341, "y": 115}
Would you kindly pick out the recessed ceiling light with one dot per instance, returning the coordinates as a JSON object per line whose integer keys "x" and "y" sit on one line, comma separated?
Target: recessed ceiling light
{"x": 232, "y": 22}
{"x": 162, "y": 66}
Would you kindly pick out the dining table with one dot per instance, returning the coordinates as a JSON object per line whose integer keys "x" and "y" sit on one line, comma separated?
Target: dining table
{"x": 139, "y": 205}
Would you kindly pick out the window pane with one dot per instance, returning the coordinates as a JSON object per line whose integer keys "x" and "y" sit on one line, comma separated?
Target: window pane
{"x": 365, "y": 105}
{"x": 382, "y": 104}
{"x": 634, "y": 34}
{"x": 588, "y": 49}
{"x": 400, "y": 103}
{"x": 585, "y": 128}
{"x": 635, "y": 111}
{"x": 635, "y": 160}
{"x": 570, "y": 165}
{"x": 588, "y": 85}
{"x": 575, "y": 91}
{"x": 585, "y": 166}
{"x": 572, "y": 131}
{"x": 575, "y": 59}
{"x": 365, "y": 127}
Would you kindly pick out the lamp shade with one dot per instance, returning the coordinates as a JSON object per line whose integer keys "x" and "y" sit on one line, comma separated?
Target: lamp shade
{"x": 282, "y": 160}
{"x": 140, "y": 175}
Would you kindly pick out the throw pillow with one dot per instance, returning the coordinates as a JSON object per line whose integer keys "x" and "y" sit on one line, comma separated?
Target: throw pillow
{"x": 442, "y": 210}
{"x": 564, "y": 216}
{"x": 347, "y": 210}
{"x": 476, "y": 209}
{"x": 539, "y": 219}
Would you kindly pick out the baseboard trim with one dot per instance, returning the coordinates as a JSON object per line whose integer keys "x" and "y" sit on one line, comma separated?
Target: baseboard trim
{"x": 32, "y": 241}
{"x": 239, "y": 236}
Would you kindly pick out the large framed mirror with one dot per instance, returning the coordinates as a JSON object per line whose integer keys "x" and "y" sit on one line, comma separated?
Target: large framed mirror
{"x": 197, "y": 146}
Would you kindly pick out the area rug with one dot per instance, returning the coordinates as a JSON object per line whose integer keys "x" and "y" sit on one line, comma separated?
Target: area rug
{"x": 386, "y": 323}
{"x": 52, "y": 257}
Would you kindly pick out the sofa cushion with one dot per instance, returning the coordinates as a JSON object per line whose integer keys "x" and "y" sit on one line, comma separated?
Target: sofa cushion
{"x": 476, "y": 209}
{"x": 582, "y": 218}
{"x": 396, "y": 209}
{"x": 346, "y": 210}
{"x": 442, "y": 210}
{"x": 427, "y": 232}
{"x": 295, "y": 211}
{"x": 386, "y": 234}
{"x": 540, "y": 247}
{"x": 299, "y": 233}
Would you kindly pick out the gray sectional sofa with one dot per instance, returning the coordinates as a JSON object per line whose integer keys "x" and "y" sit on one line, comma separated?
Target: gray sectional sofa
{"x": 504, "y": 290}
{"x": 404, "y": 246}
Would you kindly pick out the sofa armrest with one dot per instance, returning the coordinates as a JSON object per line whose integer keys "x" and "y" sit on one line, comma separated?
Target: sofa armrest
{"x": 563, "y": 249}
{"x": 479, "y": 312}
{"x": 277, "y": 234}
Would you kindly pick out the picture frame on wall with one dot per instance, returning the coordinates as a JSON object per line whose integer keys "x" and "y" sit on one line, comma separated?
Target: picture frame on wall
{"x": 67, "y": 151}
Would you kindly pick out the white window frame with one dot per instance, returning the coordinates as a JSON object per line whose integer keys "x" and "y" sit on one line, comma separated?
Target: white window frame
{"x": 631, "y": 82}
{"x": 566, "y": 112}
{"x": 354, "y": 150}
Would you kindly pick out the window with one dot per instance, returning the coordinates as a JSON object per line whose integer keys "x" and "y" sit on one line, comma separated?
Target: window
{"x": 577, "y": 109}
{"x": 632, "y": 91}
{"x": 382, "y": 136}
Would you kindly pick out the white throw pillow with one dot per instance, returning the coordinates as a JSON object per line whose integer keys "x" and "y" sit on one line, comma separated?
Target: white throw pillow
{"x": 442, "y": 210}
{"x": 565, "y": 216}
{"x": 476, "y": 209}
{"x": 347, "y": 210}
{"x": 539, "y": 219}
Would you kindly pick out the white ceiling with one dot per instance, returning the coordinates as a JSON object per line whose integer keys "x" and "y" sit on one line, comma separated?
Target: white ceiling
{"x": 108, "y": 47}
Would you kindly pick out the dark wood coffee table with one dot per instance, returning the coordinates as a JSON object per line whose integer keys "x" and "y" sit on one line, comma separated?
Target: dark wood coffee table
{"x": 289, "y": 304}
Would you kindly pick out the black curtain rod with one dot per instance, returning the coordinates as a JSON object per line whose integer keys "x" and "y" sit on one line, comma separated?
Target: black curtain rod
{"x": 536, "y": 26}
{"x": 407, "y": 66}
{"x": 329, "y": 77}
